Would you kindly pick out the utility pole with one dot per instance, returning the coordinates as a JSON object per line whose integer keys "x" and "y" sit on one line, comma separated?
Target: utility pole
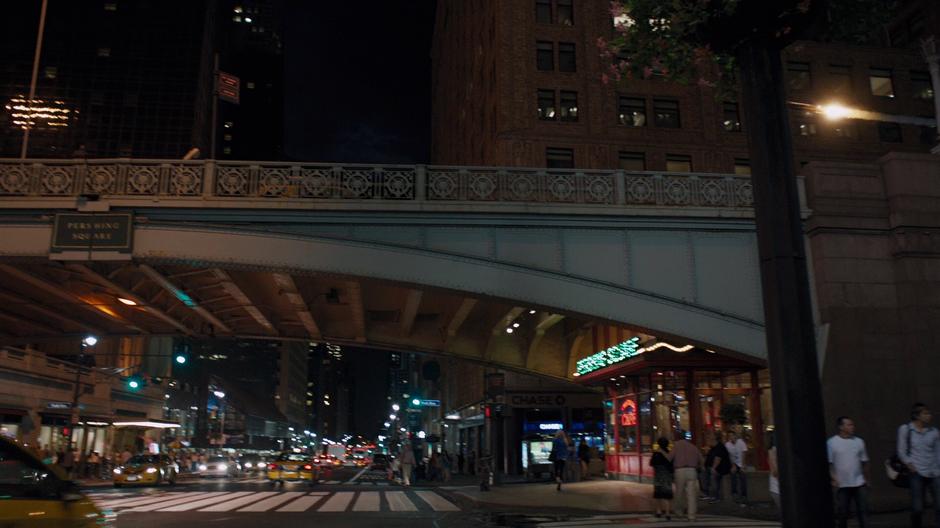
{"x": 790, "y": 332}
{"x": 32, "y": 83}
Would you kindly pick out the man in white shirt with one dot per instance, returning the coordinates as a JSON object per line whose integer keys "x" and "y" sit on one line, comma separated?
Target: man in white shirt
{"x": 848, "y": 469}
{"x": 736, "y": 449}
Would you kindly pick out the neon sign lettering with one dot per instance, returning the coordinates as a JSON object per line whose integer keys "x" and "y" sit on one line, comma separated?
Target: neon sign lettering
{"x": 628, "y": 413}
{"x": 605, "y": 358}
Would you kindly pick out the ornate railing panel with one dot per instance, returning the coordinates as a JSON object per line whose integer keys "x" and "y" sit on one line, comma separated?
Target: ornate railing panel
{"x": 348, "y": 182}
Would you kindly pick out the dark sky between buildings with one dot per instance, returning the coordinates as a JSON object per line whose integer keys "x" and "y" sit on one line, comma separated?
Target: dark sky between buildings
{"x": 358, "y": 80}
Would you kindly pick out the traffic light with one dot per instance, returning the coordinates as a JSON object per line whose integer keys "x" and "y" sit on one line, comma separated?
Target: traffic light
{"x": 181, "y": 359}
{"x": 135, "y": 383}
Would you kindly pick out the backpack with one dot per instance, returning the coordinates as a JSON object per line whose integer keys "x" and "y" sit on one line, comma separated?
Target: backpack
{"x": 898, "y": 472}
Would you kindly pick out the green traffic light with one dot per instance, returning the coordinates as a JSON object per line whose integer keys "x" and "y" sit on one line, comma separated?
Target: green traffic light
{"x": 133, "y": 384}
{"x": 416, "y": 401}
{"x": 181, "y": 359}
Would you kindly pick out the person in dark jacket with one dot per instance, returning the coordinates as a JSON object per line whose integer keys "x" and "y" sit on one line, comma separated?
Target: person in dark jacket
{"x": 559, "y": 455}
{"x": 584, "y": 455}
{"x": 717, "y": 465}
{"x": 662, "y": 479}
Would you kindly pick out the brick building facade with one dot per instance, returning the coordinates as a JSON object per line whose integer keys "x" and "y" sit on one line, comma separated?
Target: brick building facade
{"x": 519, "y": 84}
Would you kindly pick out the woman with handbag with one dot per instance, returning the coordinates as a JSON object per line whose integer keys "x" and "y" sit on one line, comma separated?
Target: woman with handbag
{"x": 662, "y": 479}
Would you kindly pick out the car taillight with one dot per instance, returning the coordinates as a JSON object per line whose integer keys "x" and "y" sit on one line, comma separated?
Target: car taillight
{"x": 308, "y": 467}
{"x": 272, "y": 467}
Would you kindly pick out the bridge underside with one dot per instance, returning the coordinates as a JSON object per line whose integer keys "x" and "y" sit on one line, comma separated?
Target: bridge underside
{"x": 203, "y": 282}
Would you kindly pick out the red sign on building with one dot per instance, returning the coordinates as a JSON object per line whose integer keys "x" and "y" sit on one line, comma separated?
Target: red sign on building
{"x": 228, "y": 87}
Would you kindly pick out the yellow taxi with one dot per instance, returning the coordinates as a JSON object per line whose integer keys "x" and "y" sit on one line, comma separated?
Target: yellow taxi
{"x": 33, "y": 494}
{"x": 293, "y": 467}
{"x": 147, "y": 470}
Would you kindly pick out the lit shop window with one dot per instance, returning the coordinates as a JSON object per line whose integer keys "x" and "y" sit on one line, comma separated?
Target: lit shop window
{"x": 881, "y": 83}
{"x": 546, "y": 104}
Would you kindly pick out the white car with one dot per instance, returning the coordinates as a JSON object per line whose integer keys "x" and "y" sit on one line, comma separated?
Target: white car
{"x": 217, "y": 466}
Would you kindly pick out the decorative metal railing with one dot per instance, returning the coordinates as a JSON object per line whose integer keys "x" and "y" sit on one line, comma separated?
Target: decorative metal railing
{"x": 318, "y": 181}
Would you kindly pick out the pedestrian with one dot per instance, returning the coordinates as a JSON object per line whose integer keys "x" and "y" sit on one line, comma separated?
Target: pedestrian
{"x": 663, "y": 478}
{"x": 919, "y": 448}
{"x": 68, "y": 461}
{"x": 736, "y": 450}
{"x": 848, "y": 468}
{"x": 558, "y": 456}
{"x": 94, "y": 465}
{"x": 686, "y": 459}
{"x": 773, "y": 477}
{"x": 407, "y": 464}
{"x": 717, "y": 466}
{"x": 584, "y": 455}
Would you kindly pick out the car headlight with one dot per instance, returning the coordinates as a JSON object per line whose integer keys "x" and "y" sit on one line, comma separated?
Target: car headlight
{"x": 202, "y": 467}
{"x": 223, "y": 467}
{"x": 151, "y": 470}
{"x": 117, "y": 471}
{"x": 247, "y": 464}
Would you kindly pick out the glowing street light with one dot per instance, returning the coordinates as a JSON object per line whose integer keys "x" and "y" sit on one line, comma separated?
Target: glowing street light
{"x": 90, "y": 340}
{"x": 218, "y": 394}
{"x": 835, "y": 111}
{"x": 391, "y": 417}
{"x": 416, "y": 401}
{"x": 395, "y": 407}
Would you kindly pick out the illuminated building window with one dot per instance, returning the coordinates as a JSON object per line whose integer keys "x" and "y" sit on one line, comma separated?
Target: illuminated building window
{"x": 632, "y": 161}
{"x": 559, "y": 158}
{"x": 227, "y": 150}
{"x": 546, "y": 104}
{"x": 250, "y": 85}
{"x": 110, "y": 6}
{"x": 104, "y": 52}
{"x": 730, "y": 120}
{"x": 806, "y": 124}
{"x": 881, "y": 83}
{"x": 238, "y": 9}
{"x": 566, "y": 58}
{"x": 742, "y": 167}
{"x": 678, "y": 163}
{"x": 229, "y": 124}
{"x": 632, "y": 111}
{"x": 921, "y": 86}
{"x": 227, "y": 137}
{"x": 666, "y": 112}
{"x": 569, "y": 106}
{"x": 50, "y": 72}
{"x": 544, "y": 56}
{"x": 237, "y": 18}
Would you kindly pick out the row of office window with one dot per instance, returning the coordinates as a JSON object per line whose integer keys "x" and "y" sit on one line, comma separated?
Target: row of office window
{"x": 563, "y": 158}
{"x": 880, "y": 80}
{"x": 562, "y": 105}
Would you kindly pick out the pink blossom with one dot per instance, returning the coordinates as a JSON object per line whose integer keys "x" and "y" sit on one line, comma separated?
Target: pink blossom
{"x": 605, "y": 78}
{"x": 601, "y": 43}
{"x": 647, "y": 72}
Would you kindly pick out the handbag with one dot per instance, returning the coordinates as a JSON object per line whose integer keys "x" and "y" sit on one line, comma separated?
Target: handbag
{"x": 898, "y": 472}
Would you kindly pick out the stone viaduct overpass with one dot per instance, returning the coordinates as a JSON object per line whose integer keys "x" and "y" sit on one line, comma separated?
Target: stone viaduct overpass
{"x": 518, "y": 268}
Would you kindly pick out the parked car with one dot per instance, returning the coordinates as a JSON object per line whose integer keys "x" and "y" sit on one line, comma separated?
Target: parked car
{"x": 219, "y": 466}
{"x": 32, "y": 491}
{"x": 147, "y": 470}
{"x": 293, "y": 467}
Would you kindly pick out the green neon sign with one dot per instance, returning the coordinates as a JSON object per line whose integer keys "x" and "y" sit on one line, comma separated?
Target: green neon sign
{"x": 606, "y": 358}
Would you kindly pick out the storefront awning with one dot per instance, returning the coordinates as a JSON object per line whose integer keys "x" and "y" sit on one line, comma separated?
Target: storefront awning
{"x": 666, "y": 359}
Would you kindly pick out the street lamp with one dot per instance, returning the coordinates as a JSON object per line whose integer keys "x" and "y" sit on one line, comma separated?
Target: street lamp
{"x": 416, "y": 401}
{"x": 395, "y": 407}
{"x": 391, "y": 417}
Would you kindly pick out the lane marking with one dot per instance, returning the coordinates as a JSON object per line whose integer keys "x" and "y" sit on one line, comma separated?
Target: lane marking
{"x": 338, "y": 502}
{"x": 232, "y": 504}
{"x": 272, "y": 502}
{"x": 205, "y": 502}
{"x": 367, "y": 501}
{"x": 188, "y": 498}
{"x": 398, "y": 501}
{"x": 304, "y": 503}
{"x": 436, "y": 502}
{"x": 350, "y": 481}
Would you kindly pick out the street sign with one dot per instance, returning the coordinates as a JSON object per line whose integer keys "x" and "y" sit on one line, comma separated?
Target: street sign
{"x": 92, "y": 232}
{"x": 58, "y": 405}
{"x": 228, "y": 87}
{"x": 430, "y": 403}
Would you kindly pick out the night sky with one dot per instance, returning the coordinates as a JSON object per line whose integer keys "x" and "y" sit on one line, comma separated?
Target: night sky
{"x": 358, "y": 80}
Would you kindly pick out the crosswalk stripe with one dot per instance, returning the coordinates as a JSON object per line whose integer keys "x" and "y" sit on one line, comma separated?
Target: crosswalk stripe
{"x": 436, "y": 502}
{"x": 303, "y": 503}
{"x": 332, "y": 482}
{"x": 398, "y": 501}
{"x": 139, "y": 500}
{"x": 272, "y": 502}
{"x": 189, "y": 497}
{"x": 230, "y": 505}
{"x": 367, "y": 501}
{"x": 381, "y": 483}
{"x": 338, "y": 502}
{"x": 205, "y": 502}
